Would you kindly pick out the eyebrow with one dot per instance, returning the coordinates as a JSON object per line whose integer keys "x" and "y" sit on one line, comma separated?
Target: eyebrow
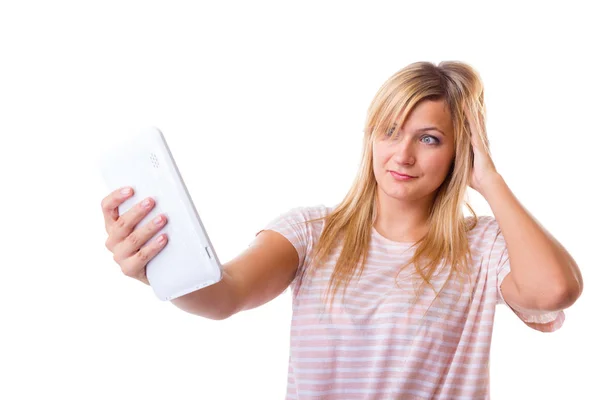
{"x": 427, "y": 128}
{"x": 430, "y": 128}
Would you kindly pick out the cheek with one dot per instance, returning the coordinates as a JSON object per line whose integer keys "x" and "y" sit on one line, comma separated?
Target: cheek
{"x": 380, "y": 159}
{"x": 440, "y": 165}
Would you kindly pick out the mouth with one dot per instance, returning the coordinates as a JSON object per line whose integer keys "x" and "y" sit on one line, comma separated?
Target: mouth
{"x": 401, "y": 176}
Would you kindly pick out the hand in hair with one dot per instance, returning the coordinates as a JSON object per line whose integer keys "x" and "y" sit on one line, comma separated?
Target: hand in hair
{"x": 484, "y": 169}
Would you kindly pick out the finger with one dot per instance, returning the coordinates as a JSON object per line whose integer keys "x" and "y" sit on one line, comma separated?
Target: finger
{"x": 475, "y": 129}
{"x": 126, "y": 223}
{"x": 110, "y": 205}
{"x": 139, "y": 237}
{"x": 135, "y": 265}
{"x": 480, "y": 136}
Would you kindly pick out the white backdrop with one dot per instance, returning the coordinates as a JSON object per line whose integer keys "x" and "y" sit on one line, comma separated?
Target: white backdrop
{"x": 263, "y": 105}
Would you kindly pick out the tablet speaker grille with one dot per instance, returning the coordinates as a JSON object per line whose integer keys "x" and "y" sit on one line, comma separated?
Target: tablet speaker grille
{"x": 154, "y": 160}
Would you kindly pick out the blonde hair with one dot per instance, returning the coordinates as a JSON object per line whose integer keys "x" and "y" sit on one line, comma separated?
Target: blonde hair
{"x": 351, "y": 221}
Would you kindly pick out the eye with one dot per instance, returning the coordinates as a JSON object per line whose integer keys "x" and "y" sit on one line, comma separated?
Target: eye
{"x": 390, "y": 131}
{"x": 434, "y": 142}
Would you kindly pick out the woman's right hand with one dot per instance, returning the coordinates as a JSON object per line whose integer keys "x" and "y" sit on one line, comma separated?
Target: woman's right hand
{"x": 129, "y": 243}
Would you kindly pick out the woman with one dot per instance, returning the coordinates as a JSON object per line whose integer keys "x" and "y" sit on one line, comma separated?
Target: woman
{"x": 419, "y": 281}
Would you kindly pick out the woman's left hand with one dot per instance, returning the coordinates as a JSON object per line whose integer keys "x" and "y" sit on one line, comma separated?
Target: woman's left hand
{"x": 483, "y": 167}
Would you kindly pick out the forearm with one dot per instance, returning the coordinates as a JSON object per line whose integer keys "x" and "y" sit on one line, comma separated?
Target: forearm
{"x": 214, "y": 302}
{"x": 539, "y": 263}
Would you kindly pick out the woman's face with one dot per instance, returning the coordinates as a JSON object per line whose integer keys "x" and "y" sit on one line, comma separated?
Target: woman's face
{"x": 424, "y": 154}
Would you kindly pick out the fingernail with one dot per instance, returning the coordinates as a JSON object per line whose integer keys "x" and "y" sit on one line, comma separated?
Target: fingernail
{"x": 161, "y": 239}
{"x": 146, "y": 203}
{"x": 125, "y": 191}
{"x": 158, "y": 220}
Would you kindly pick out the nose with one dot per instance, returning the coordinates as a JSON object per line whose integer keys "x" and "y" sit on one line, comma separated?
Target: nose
{"x": 404, "y": 152}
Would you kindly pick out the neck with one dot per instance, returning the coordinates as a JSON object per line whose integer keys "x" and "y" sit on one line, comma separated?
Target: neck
{"x": 401, "y": 221}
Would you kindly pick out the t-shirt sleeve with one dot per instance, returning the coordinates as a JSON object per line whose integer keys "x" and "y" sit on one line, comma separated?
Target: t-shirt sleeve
{"x": 292, "y": 225}
{"x": 543, "y": 321}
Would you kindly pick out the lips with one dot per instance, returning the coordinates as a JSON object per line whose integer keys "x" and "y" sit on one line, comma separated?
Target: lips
{"x": 402, "y": 175}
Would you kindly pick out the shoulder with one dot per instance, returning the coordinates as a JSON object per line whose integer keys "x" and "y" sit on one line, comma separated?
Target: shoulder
{"x": 303, "y": 221}
{"x": 305, "y": 213}
{"x": 485, "y": 232}
{"x": 482, "y": 224}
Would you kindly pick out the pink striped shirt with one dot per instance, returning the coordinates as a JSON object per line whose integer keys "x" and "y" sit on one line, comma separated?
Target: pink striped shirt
{"x": 379, "y": 344}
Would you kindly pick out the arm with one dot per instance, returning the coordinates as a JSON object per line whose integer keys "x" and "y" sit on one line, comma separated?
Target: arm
{"x": 544, "y": 276}
{"x": 258, "y": 275}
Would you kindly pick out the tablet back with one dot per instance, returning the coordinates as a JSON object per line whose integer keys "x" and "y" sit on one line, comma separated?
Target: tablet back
{"x": 188, "y": 262}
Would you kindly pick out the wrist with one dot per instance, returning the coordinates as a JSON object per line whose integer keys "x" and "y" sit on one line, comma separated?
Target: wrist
{"x": 490, "y": 183}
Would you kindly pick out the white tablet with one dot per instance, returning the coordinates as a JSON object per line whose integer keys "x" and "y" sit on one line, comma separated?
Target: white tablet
{"x": 188, "y": 262}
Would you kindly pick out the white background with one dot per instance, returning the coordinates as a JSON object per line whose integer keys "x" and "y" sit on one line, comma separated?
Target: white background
{"x": 263, "y": 105}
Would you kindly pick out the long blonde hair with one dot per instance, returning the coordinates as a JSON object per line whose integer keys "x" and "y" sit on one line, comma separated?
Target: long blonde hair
{"x": 351, "y": 220}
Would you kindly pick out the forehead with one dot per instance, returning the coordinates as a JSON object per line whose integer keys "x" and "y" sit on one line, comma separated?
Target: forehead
{"x": 429, "y": 113}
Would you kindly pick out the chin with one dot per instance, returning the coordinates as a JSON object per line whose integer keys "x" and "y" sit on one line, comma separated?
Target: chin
{"x": 405, "y": 192}
{"x": 400, "y": 193}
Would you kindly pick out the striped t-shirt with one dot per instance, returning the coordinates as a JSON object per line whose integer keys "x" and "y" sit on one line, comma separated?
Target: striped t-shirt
{"x": 381, "y": 344}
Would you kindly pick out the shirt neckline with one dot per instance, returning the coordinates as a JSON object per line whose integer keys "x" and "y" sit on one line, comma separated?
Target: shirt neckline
{"x": 390, "y": 242}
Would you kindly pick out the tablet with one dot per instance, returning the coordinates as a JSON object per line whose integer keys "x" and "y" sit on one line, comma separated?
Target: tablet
{"x": 188, "y": 262}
